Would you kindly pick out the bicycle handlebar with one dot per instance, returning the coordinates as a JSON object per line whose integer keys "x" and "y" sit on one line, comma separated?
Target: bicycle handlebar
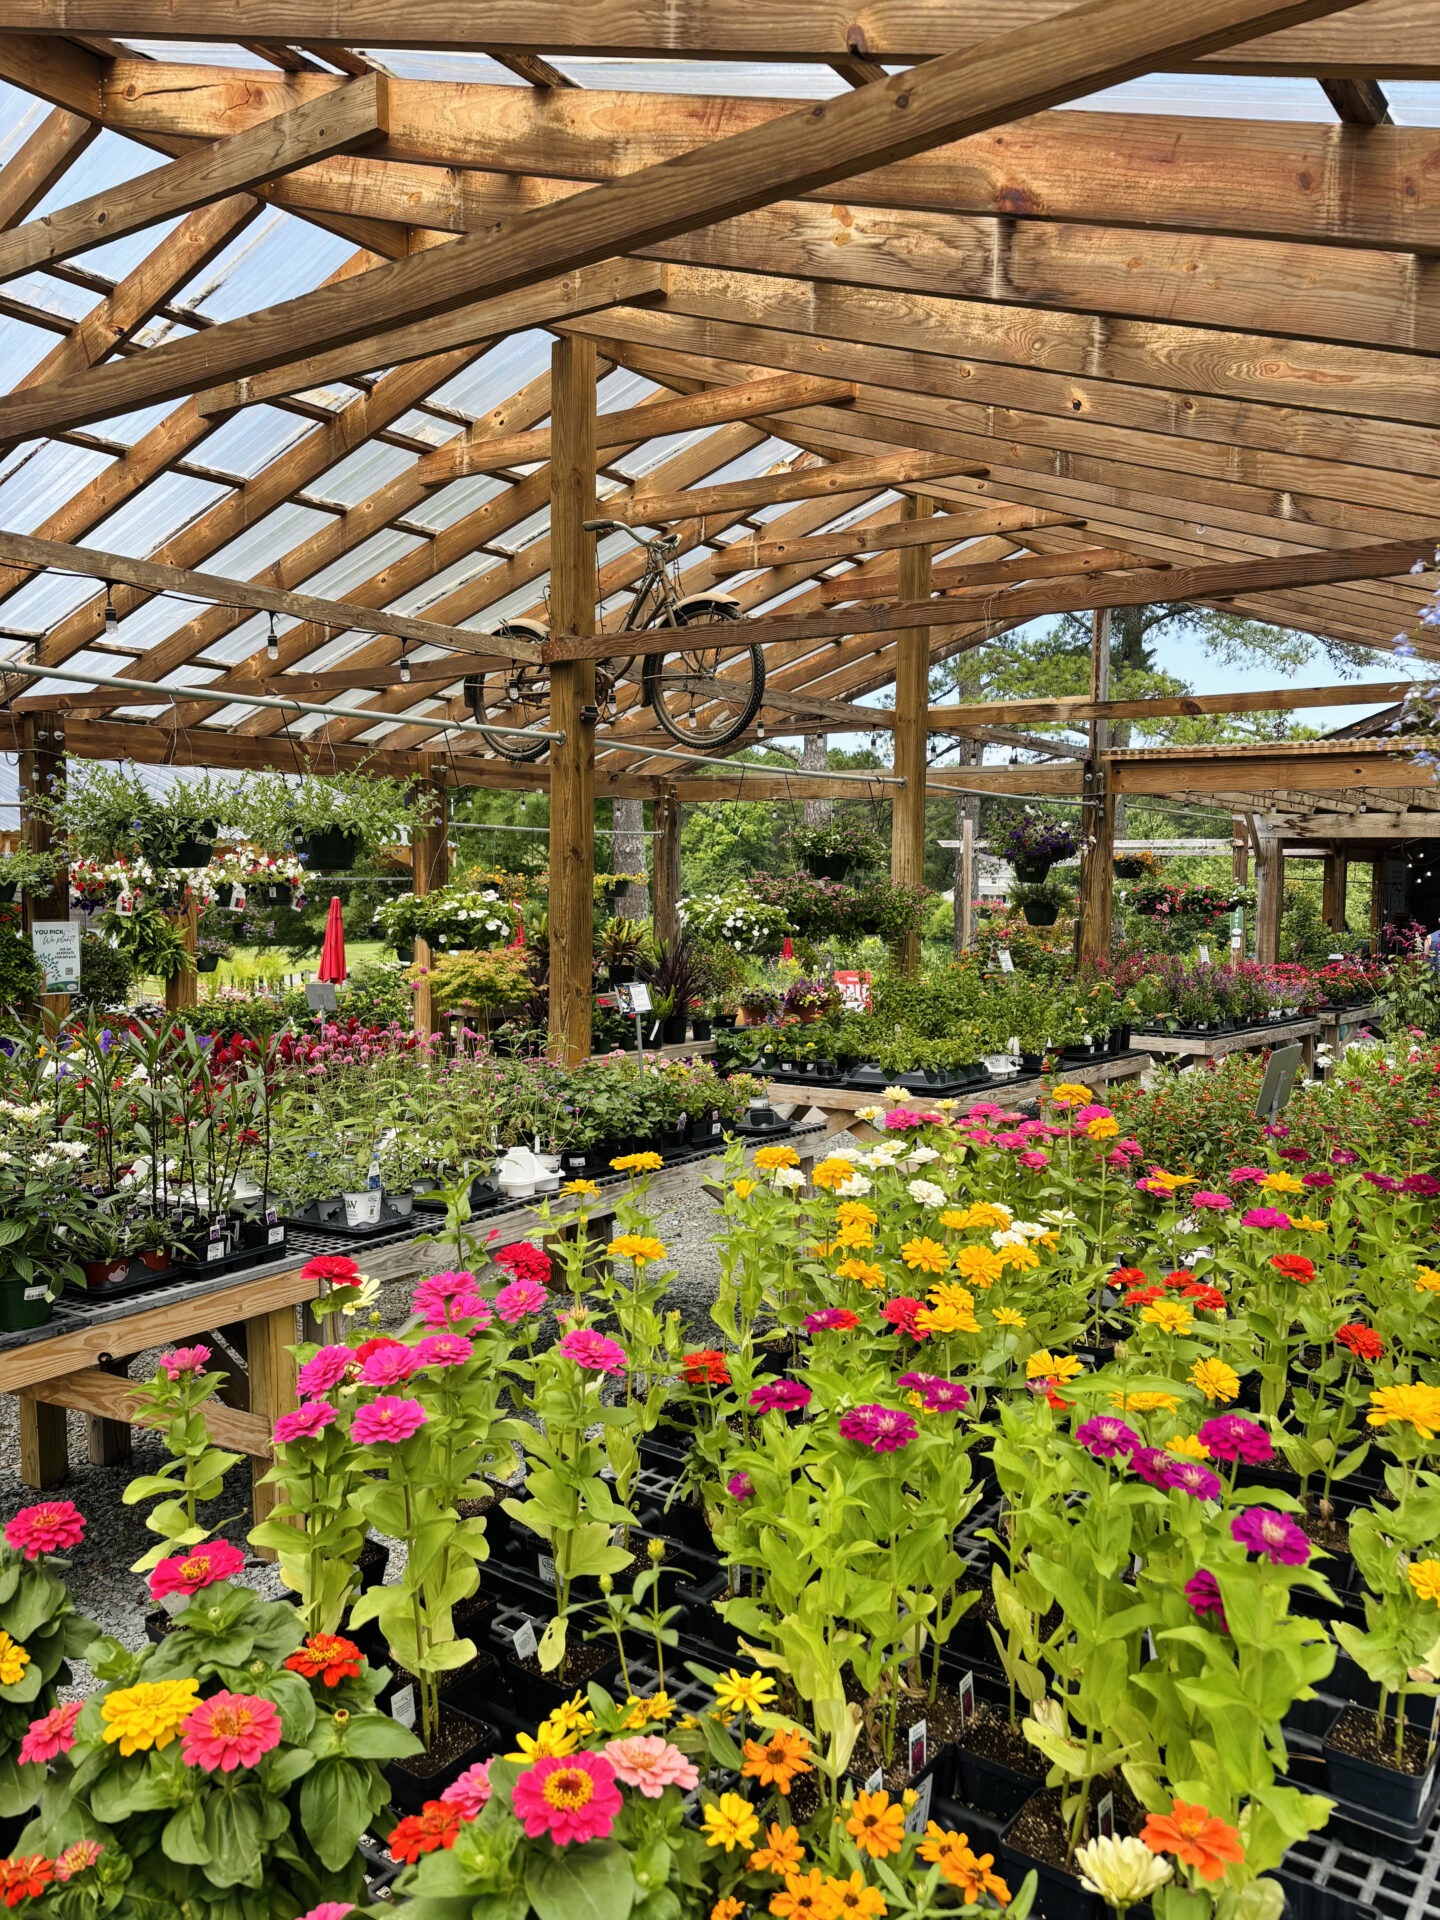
{"x": 665, "y": 543}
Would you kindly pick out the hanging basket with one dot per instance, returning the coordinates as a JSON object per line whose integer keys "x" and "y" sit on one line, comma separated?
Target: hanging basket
{"x": 1128, "y": 868}
{"x": 330, "y": 849}
{"x": 1040, "y": 913}
{"x": 1030, "y": 873}
{"x": 196, "y": 848}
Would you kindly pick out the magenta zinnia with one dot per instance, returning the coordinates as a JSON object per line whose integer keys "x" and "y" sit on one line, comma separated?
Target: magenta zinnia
{"x": 1230, "y": 1436}
{"x": 202, "y": 1567}
{"x": 1275, "y": 1535}
{"x": 520, "y": 1298}
{"x": 388, "y": 1418}
{"x": 229, "y": 1730}
{"x": 781, "y": 1396}
{"x": 882, "y": 1429}
{"x": 1105, "y": 1436}
{"x": 592, "y": 1351}
{"x": 574, "y": 1799}
{"x": 305, "y": 1423}
{"x": 1202, "y": 1590}
{"x": 323, "y": 1370}
{"x": 51, "y": 1526}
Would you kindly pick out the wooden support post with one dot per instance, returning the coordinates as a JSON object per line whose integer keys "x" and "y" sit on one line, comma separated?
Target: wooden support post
{"x": 42, "y": 777}
{"x": 912, "y": 702}
{"x": 429, "y": 869}
{"x": 108, "y": 1442}
{"x": 44, "y": 1455}
{"x": 182, "y": 989}
{"x": 965, "y": 879}
{"x": 666, "y": 917}
{"x": 1335, "y": 885}
{"x": 572, "y": 698}
{"x": 1270, "y": 898}
{"x": 1377, "y": 886}
{"x": 271, "y": 1365}
{"x": 1097, "y": 861}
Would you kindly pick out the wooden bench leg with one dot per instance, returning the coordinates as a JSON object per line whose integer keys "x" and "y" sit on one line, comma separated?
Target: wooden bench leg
{"x": 109, "y": 1442}
{"x": 44, "y": 1456}
{"x": 272, "y": 1391}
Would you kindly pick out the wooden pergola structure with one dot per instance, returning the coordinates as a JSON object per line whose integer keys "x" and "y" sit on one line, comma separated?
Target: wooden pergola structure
{"x": 906, "y": 349}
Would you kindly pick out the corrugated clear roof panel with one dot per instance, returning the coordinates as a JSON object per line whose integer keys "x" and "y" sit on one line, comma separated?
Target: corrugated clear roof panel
{"x": 264, "y": 543}
{"x": 196, "y": 53}
{"x": 418, "y": 64}
{"x": 22, "y": 348}
{"x": 51, "y": 295}
{"x": 117, "y": 258}
{"x": 251, "y": 439}
{"x": 748, "y": 79}
{"x": 154, "y": 515}
{"x": 108, "y": 161}
{"x": 1414, "y": 103}
{"x": 372, "y": 556}
{"x": 275, "y": 259}
{"x": 424, "y": 426}
{"x": 452, "y": 503}
{"x": 362, "y": 472}
{"x": 509, "y": 365}
{"x": 20, "y": 116}
{"x": 43, "y": 479}
{"x": 130, "y": 427}
{"x": 48, "y": 598}
{"x": 1218, "y": 96}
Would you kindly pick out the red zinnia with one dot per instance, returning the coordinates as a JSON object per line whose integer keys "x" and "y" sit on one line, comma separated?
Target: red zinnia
{"x": 380, "y": 1341}
{"x": 338, "y": 1268}
{"x": 1294, "y": 1266}
{"x": 706, "y": 1367}
{"x": 1362, "y": 1341}
{"x": 1206, "y": 1299}
{"x": 25, "y": 1878}
{"x": 1128, "y": 1277}
{"x": 901, "y": 1312}
{"x": 1142, "y": 1296}
{"x": 328, "y": 1657}
{"x": 425, "y": 1832}
{"x": 524, "y": 1261}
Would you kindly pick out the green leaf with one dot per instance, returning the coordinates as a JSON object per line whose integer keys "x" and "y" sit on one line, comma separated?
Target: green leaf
{"x": 335, "y": 1810}
{"x": 592, "y": 1882}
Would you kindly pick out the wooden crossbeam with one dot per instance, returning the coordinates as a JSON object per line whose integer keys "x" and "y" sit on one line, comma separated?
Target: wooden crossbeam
{"x": 92, "y": 1390}
{"x": 708, "y": 408}
{"x": 1134, "y": 590}
{"x": 29, "y": 174}
{"x": 809, "y": 483}
{"x": 18, "y": 550}
{"x": 351, "y": 116}
{"x": 1397, "y": 38}
{"x": 947, "y": 529}
{"x": 609, "y": 284}
{"x": 1078, "y": 712}
{"x": 1035, "y": 566}
{"x": 1089, "y": 47}
{"x": 1268, "y": 770}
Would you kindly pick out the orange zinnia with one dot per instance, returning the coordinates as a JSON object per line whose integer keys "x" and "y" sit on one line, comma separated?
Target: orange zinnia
{"x": 876, "y": 1825}
{"x": 973, "y": 1874}
{"x": 781, "y": 1853}
{"x": 776, "y": 1761}
{"x": 804, "y": 1897}
{"x": 1196, "y": 1837}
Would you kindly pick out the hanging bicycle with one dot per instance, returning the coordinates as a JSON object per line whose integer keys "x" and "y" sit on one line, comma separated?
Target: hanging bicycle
{"x": 705, "y": 694}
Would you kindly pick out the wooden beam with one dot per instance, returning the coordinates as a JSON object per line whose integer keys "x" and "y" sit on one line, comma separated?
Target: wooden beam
{"x": 1269, "y": 898}
{"x": 708, "y": 408}
{"x": 1089, "y": 47}
{"x": 1076, "y": 712}
{"x": 611, "y": 283}
{"x": 665, "y": 914}
{"x": 912, "y": 692}
{"x": 1307, "y": 766}
{"x": 943, "y": 530}
{"x": 1135, "y": 590}
{"x": 1393, "y": 37}
{"x": 572, "y": 702}
{"x": 809, "y": 483}
{"x": 351, "y": 116}
{"x": 96, "y": 1391}
{"x": 1034, "y": 566}
{"x": 1359, "y": 103}
{"x": 429, "y": 870}
{"x": 18, "y": 550}
{"x": 29, "y": 174}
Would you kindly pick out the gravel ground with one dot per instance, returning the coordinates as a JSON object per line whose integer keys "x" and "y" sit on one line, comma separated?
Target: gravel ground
{"x": 116, "y": 1536}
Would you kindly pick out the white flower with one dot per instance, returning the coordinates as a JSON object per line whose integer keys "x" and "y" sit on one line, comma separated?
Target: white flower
{"x": 854, "y": 1187}
{"x": 1007, "y": 1237}
{"x": 789, "y": 1177}
{"x": 869, "y": 1114}
{"x": 894, "y": 1096}
{"x": 918, "y": 1156}
{"x": 926, "y": 1194}
{"x": 1031, "y": 1229}
{"x": 1123, "y": 1872}
{"x": 359, "y": 1298}
{"x": 1059, "y": 1217}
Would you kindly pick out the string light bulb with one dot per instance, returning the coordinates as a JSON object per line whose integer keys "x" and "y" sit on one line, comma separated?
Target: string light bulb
{"x": 112, "y": 618}
{"x": 404, "y": 668}
{"x": 272, "y": 645}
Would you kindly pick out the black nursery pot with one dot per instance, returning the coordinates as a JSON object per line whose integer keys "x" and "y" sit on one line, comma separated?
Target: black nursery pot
{"x": 1370, "y": 1788}
{"x": 196, "y": 848}
{"x": 332, "y": 849}
{"x": 463, "y": 1736}
{"x": 1039, "y": 914}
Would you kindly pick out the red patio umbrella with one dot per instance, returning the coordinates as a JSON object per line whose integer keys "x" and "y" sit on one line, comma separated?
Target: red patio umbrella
{"x": 332, "y": 954}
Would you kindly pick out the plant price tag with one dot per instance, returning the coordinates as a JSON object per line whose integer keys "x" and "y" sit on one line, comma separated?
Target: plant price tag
{"x": 524, "y": 1641}
{"x": 1004, "y": 956}
{"x": 546, "y": 1569}
{"x": 917, "y": 1819}
{"x": 1105, "y": 1817}
{"x": 967, "y": 1698}
{"x": 876, "y": 1781}
{"x": 917, "y": 1745}
{"x": 1204, "y": 953}
{"x": 402, "y": 1706}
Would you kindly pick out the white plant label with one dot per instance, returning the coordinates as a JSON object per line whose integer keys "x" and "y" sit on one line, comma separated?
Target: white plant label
{"x": 402, "y": 1706}
{"x": 917, "y": 1819}
{"x": 1006, "y": 959}
{"x": 917, "y": 1745}
{"x": 524, "y": 1641}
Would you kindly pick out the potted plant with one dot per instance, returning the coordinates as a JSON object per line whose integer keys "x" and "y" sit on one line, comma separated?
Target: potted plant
{"x": 1040, "y": 902}
{"x": 1136, "y": 866}
{"x": 98, "y": 1241}
{"x": 21, "y": 975}
{"x": 755, "y": 1005}
{"x": 328, "y": 819}
{"x": 839, "y": 848}
{"x": 810, "y": 1000}
{"x": 737, "y": 920}
{"x": 39, "y": 1202}
{"x": 621, "y": 948}
{"x": 151, "y": 941}
{"x": 1032, "y": 842}
{"x": 106, "y": 974}
{"x": 24, "y": 873}
{"x": 148, "y": 1241}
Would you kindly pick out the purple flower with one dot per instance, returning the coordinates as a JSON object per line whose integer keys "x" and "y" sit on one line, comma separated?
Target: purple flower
{"x": 1105, "y": 1436}
{"x": 1189, "y": 1476}
{"x": 1230, "y": 1436}
{"x": 1342, "y": 1157}
{"x": 1266, "y": 1217}
{"x": 1220, "y": 1202}
{"x": 324, "y": 1370}
{"x": 781, "y": 1396}
{"x": 1297, "y": 1155}
{"x": 939, "y": 1395}
{"x": 740, "y": 1486}
{"x": 1425, "y": 1184}
{"x": 1317, "y": 1180}
{"x": 882, "y": 1429}
{"x": 1202, "y": 1590}
{"x": 1151, "y": 1465}
{"x": 1262, "y": 1530}
{"x": 1386, "y": 1182}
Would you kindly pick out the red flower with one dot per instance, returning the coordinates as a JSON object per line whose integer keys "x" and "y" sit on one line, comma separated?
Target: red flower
{"x": 901, "y": 1312}
{"x": 25, "y": 1878}
{"x": 336, "y": 1267}
{"x": 367, "y": 1347}
{"x": 523, "y": 1260}
{"x": 328, "y": 1657}
{"x": 1128, "y": 1277}
{"x": 1142, "y": 1296}
{"x": 1294, "y": 1266}
{"x": 1181, "y": 1278}
{"x": 425, "y": 1832}
{"x": 1362, "y": 1341}
{"x": 706, "y": 1367}
{"x": 1206, "y": 1299}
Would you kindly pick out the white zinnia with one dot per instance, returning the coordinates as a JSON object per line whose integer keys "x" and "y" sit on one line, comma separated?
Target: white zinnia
{"x": 1123, "y": 1872}
{"x": 789, "y": 1177}
{"x": 925, "y": 1193}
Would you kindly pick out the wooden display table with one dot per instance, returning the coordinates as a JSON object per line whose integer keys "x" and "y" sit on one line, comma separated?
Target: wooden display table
{"x": 1185, "y": 1048}
{"x": 1340, "y": 1025}
{"x": 838, "y": 1106}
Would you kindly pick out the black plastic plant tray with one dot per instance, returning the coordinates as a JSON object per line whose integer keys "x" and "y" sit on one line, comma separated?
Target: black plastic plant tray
{"x": 133, "y": 1283}
{"x": 340, "y": 1229}
{"x": 235, "y": 1262}
{"x": 1328, "y": 1877}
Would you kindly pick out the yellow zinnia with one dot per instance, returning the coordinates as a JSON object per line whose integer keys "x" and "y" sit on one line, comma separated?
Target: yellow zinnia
{"x": 768, "y": 1159}
{"x": 1189, "y": 1446}
{"x": 148, "y": 1715}
{"x": 1416, "y": 1406}
{"x": 1022, "y": 1257}
{"x": 744, "y": 1692}
{"x": 581, "y": 1189}
{"x": 1307, "y": 1223}
{"x": 1172, "y": 1182}
{"x": 1424, "y": 1576}
{"x": 639, "y": 1247}
{"x": 638, "y": 1163}
{"x": 854, "y": 1233}
{"x": 1427, "y": 1280}
{"x": 947, "y": 1318}
{"x": 1282, "y": 1183}
{"x": 865, "y": 1271}
{"x": 548, "y": 1742}
{"x": 1105, "y": 1128}
{"x": 983, "y": 1265}
{"x": 855, "y": 1213}
{"x": 1052, "y": 1366}
{"x": 744, "y": 1188}
{"x": 1008, "y": 1317}
{"x": 1071, "y": 1094}
{"x": 731, "y": 1822}
{"x": 13, "y": 1660}
{"x": 832, "y": 1174}
{"x": 1215, "y": 1379}
{"x": 1145, "y": 1402}
{"x": 1171, "y": 1316}
{"x": 924, "y": 1255}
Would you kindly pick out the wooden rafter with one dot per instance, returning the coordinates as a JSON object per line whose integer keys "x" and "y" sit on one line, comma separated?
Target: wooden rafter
{"x": 946, "y": 529}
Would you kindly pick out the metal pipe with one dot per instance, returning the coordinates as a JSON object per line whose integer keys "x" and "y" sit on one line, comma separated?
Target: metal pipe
{"x": 740, "y": 766}
{"x": 169, "y": 695}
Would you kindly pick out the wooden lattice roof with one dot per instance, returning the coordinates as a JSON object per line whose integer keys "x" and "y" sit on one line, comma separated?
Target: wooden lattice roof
{"x": 1193, "y": 341}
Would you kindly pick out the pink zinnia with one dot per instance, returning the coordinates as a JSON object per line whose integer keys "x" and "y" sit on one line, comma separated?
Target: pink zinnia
{"x": 51, "y": 1526}
{"x": 181, "y": 1360}
{"x": 1230, "y": 1436}
{"x": 1262, "y": 1530}
{"x": 444, "y": 1350}
{"x": 388, "y": 1366}
{"x": 324, "y": 1370}
{"x": 595, "y": 1353}
{"x": 573, "y": 1799}
{"x": 330, "y": 1910}
{"x": 1202, "y": 1590}
{"x": 781, "y": 1396}
{"x": 1084, "y": 1115}
{"x": 1035, "y": 1158}
{"x": 1265, "y": 1217}
{"x": 831, "y": 1320}
{"x": 985, "y": 1110}
{"x": 1216, "y": 1202}
{"x": 189, "y": 1572}
{"x": 387, "y": 1419}
{"x": 229, "y": 1730}
{"x": 52, "y": 1734}
{"x": 651, "y": 1764}
{"x": 305, "y": 1423}
{"x": 471, "y": 1791}
{"x": 740, "y": 1486}
{"x": 882, "y": 1429}
{"x": 1248, "y": 1176}
{"x": 521, "y": 1297}
{"x": 462, "y": 1309}
{"x": 901, "y": 1117}
{"x": 1106, "y": 1435}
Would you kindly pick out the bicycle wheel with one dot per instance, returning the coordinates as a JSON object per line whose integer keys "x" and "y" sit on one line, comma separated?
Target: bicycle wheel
{"x": 517, "y": 695}
{"x": 707, "y": 694}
